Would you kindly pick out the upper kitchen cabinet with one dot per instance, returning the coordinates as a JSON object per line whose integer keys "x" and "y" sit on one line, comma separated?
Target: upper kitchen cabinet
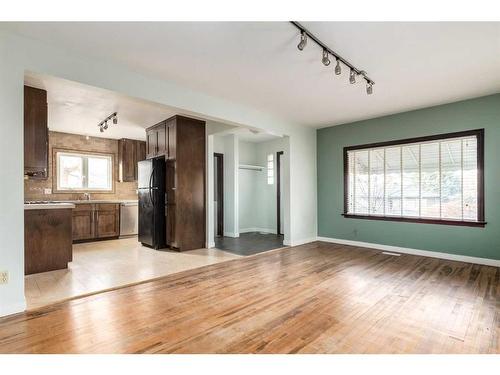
{"x": 36, "y": 133}
{"x": 156, "y": 140}
{"x": 130, "y": 152}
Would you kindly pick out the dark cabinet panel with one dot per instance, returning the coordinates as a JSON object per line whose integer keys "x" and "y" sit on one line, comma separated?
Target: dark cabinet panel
{"x": 36, "y": 133}
{"x": 156, "y": 140}
{"x": 127, "y": 160}
{"x": 161, "y": 131}
{"x": 96, "y": 221}
{"x": 83, "y": 222}
{"x": 151, "y": 143}
{"x": 141, "y": 150}
{"x": 185, "y": 183}
{"x": 172, "y": 138}
{"x": 47, "y": 240}
{"x": 107, "y": 220}
{"x": 170, "y": 210}
{"x": 130, "y": 152}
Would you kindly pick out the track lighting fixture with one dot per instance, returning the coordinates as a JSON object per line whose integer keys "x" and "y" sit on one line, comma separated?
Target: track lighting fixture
{"x": 353, "y": 71}
{"x": 369, "y": 88}
{"x": 352, "y": 77}
{"x": 103, "y": 125}
{"x": 338, "y": 69}
{"x": 303, "y": 41}
{"x": 325, "y": 60}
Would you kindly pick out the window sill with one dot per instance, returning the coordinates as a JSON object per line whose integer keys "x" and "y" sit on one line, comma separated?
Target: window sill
{"x": 480, "y": 224}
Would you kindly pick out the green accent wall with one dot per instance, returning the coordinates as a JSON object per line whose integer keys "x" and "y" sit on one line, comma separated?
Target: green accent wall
{"x": 477, "y": 113}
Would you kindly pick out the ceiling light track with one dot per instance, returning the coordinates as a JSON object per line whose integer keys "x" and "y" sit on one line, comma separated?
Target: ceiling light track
{"x": 103, "y": 125}
{"x": 305, "y": 34}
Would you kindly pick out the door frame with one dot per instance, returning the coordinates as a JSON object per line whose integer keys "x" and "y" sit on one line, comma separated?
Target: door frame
{"x": 219, "y": 175}
{"x": 279, "y": 154}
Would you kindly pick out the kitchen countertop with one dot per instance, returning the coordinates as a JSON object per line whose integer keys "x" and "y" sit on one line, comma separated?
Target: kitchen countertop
{"x": 49, "y": 206}
{"x": 83, "y": 201}
{"x": 42, "y": 205}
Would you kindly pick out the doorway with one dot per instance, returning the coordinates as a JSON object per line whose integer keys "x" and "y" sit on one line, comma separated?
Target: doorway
{"x": 219, "y": 194}
{"x": 279, "y": 185}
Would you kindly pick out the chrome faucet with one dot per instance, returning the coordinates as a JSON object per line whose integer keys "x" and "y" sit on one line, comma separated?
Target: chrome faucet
{"x": 86, "y": 196}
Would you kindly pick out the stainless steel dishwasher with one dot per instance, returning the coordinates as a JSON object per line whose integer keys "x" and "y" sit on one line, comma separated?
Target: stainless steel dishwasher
{"x": 129, "y": 213}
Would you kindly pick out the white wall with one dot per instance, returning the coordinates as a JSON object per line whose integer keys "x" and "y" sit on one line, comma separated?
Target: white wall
{"x": 248, "y": 181}
{"x": 19, "y": 53}
{"x": 11, "y": 177}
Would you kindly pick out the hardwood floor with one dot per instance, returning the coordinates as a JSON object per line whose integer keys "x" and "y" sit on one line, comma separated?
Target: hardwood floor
{"x": 315, "y": 298}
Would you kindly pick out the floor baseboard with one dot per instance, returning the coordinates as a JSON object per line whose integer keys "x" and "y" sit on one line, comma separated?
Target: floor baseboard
{"x": 405, "y": 250}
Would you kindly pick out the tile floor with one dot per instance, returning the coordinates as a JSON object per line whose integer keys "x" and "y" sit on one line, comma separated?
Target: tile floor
{"x": 249, "y": 243}
{"x": 105, "y": 265}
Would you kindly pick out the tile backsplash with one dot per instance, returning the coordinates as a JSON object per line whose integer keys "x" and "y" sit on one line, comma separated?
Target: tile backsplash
{"x": 35, "y": 189}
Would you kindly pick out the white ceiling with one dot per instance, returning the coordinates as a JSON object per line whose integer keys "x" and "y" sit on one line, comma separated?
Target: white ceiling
{"x": 257, "y": 64}
{"x": 252, "y": 135}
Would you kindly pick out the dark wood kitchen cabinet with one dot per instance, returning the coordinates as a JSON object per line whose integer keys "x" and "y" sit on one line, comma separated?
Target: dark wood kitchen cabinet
{"x": 156, "y": 140}
{"x": 47, "y": 240}
{"x": 185, "y": 184}
{"x": 130, "y": 152}
{"x": 83, "y": 222}
{"x": 96, "y": 221}
{"x": 107, "y": 219}
{"x": 36, "y": 133}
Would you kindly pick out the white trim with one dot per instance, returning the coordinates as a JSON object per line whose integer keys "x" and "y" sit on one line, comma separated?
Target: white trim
{"x": 231, "y": 234}
{"x": 405, "y": 250}
{"x": 264, "y": 230}
{"x": 210, "y": 245}
{"x": 13, "y": 308}
{"x": 300, "y": 242}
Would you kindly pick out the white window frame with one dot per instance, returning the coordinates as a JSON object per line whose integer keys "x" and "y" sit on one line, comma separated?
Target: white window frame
{"x": 270, "y": 169}
{"x": 85, "y": 155}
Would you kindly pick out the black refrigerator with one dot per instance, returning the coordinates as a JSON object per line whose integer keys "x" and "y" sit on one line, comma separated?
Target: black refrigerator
{"x": 151, "y": 185}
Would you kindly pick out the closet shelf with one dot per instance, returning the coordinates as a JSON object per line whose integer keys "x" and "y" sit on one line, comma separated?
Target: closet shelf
{"x": 251, "y": 167}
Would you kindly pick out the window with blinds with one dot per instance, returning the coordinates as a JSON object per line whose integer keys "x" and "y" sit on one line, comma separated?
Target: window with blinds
{"x": 436, "y": 179}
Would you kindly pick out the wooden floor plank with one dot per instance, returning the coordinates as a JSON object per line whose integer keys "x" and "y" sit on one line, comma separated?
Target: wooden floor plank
{"x": 315, "y": 298}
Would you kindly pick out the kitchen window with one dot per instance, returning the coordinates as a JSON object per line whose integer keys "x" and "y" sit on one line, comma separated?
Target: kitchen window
{"x": 437, "y": 179}
{"x": 84, "y": 171}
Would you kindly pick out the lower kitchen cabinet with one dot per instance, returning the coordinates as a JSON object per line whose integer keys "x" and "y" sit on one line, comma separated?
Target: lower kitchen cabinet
{"x": 96, "y": 221}
{"x": 47, "y": 240}
{"x": 107, "y": 220}
{"x": 83, "y": 222}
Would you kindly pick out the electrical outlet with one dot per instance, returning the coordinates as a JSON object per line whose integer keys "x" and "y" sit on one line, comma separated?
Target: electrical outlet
{"x": 4, "y": 277}
{"x": 47, "y": 191}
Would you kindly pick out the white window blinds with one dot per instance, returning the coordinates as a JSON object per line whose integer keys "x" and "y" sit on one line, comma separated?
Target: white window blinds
{"x": 435, "y": 179}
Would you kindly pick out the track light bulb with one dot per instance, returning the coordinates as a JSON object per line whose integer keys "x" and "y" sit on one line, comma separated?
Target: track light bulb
{"x": 325, "y": 60}
{"x": 338, "y": 69}
{"x": 303, "y": 41}
{"x": 115, "y": 120}
{"x": 101, "y": 129}
{"x": 105, "y": 125}
{"x": 352, "y": 77}
{"x": 369, "y": 88}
